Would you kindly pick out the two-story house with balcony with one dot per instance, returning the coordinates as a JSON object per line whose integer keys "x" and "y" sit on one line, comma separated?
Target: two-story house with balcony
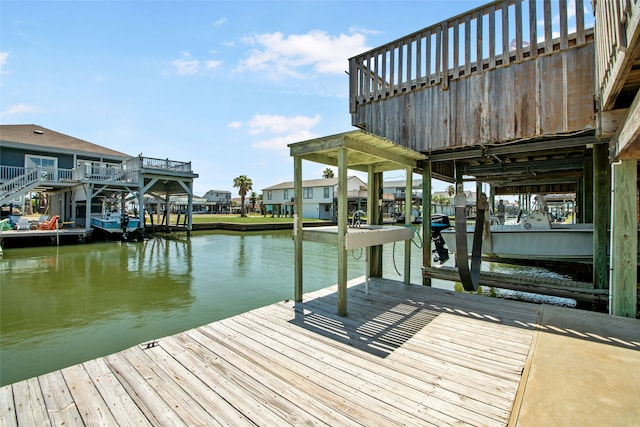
{"x": 318, "y": 197}
{"x": 218, "y": 201}
{"x": 81, "y": 180}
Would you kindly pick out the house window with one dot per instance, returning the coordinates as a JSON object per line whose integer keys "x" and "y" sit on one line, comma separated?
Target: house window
{"x": 268, "y": 195}
{"x": 307, "y": 193}
{"x": 326, "y": 192}
{"x": 48, "y": 165}
{"x": 286, "y": 194}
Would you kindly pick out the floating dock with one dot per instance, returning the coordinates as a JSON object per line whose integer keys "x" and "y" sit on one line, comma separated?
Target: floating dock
{"x": 405, "y": 355}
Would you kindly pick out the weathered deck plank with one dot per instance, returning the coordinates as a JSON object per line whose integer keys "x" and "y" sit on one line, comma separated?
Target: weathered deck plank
{"x": 404, "y": 355}
{"x": 7, "y": 407}
{"x": 58, "y": 400}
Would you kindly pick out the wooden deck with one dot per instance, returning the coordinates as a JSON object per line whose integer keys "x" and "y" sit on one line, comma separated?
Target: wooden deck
{"x": 405, "y": 355}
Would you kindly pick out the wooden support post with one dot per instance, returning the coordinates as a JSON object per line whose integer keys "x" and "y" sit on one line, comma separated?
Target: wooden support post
{"x": 87, "y": 212}
{"x": 589, "y": 189}
{"x": 189, "y": 217}
{"x": 342, "y": 231}
{"x": 624, "y": 238}
{"x": 297, "y": 226}
{"x": 167, "y": 211}
{"x": 426, "y": 220}
{"x": 408, "y": 202}
{"x": 372, "y": 210}
{"x": 375, "y": 255}
{"x": 601, "y": 203}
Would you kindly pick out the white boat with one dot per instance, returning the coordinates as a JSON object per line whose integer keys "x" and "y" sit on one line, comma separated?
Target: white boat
{"x": 116, "y": 225}
{"x": 536, "y": 238}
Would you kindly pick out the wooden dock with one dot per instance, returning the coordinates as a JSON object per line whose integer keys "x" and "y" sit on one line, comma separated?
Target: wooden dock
{"x": 16, "y": 238}
{"x": 405, "y": 355}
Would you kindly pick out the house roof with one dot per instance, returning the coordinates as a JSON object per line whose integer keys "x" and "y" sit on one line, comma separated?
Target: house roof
{"x": 417, "y": 183}
{"x": 324, "y": 182}
{"x": 49, "y": 140}
{"x": 365, "y": 151}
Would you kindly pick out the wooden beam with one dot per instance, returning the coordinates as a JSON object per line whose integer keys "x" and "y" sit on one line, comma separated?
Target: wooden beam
{"x": 342, "y": 231}
{"x": 297, "y": 230}
{"x": 408, "y": 199}
{"x": 627, "y": 138}
{"x": 382, "y": 153}
{"x": 601, "y": 203}
{"x": 608, "y": 122}
{"x": 624, "y": 239}
{"x": 426, "y": 220}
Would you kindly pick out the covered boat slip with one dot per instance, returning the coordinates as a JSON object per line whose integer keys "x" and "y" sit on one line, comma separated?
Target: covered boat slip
{"x": 529, "y": 97}
{"x": 356, "y": 150}
{"x": 405, "y": 355}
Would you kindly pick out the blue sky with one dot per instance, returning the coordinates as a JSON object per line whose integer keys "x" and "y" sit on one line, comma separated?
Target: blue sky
{"x": 223, "y": 84}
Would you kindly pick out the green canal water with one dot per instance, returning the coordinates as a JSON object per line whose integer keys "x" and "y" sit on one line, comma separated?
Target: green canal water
{"x": 68, "y": 304}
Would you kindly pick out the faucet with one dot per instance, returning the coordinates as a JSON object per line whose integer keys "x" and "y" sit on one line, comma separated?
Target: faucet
{"x": 355, "y": 219}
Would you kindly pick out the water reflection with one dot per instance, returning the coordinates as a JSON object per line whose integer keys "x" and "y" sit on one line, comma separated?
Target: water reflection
{"x": 63, "y": 305}
{"x": 74, "y": 287}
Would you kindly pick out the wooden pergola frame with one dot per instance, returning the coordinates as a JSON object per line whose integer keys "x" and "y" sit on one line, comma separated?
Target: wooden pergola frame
{"x": 355, "y": 150}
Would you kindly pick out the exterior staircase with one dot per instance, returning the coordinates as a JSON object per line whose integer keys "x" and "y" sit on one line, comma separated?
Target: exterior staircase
{"x": 20, "y": 185}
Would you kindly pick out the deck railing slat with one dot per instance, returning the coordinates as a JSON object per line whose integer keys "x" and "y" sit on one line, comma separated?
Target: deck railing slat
{"x": 456, "y": 49}
{"x": 492, "y": 37}
{"x": 467, "y": 45}
{"x": 479, "y": 29}
{"x": 548, "y": 30}
{"x": 564, "y": 33}
{"x": 505, "y": 33}
{"x": 533, "y": 29}
{"x": 519, "y": 44}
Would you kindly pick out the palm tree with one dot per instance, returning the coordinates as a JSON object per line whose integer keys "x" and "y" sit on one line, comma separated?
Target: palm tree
{"x": 243, "y": 184}
{"x": 327, "y": 173}
{"x": 451, "y": 190}
{"x": 253, "y": 198}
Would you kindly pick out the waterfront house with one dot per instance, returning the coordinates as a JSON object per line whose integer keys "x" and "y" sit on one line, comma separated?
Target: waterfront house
{"x": 318, "y": 197}
{"x": 79, "y": 179}
{"x": 218, "y": 201}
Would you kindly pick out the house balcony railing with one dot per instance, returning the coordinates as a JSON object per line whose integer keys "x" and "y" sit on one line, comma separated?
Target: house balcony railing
{"x": 15, "y": 180}
{"x": 138, "y": 163}
{"x": 497, "y": 34}
{"x": 8, "y": 173}
{"x": 105, "y": 174}
{"x": 617, "y": 25}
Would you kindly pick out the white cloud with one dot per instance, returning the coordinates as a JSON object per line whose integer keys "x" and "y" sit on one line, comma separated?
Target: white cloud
{"x": 211, "y": 64}
{"x": 3, "y": 61}
{"x": 220, "y": 22}
{"x": 301, "y": 55}
{"x": 280, "y": 142}
{"x": 280, "y": 124}
{"x": 18, "y": 109}
{"x": 361, "y": 30}
{"x": 235, "y": 125}
{"x": 185, "y": 65}
{"x": 280, "y": 130}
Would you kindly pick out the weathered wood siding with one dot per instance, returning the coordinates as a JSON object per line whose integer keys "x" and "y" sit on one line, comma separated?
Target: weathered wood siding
{"x": 528, "y": 99}
{"x": 476, "y": 79}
